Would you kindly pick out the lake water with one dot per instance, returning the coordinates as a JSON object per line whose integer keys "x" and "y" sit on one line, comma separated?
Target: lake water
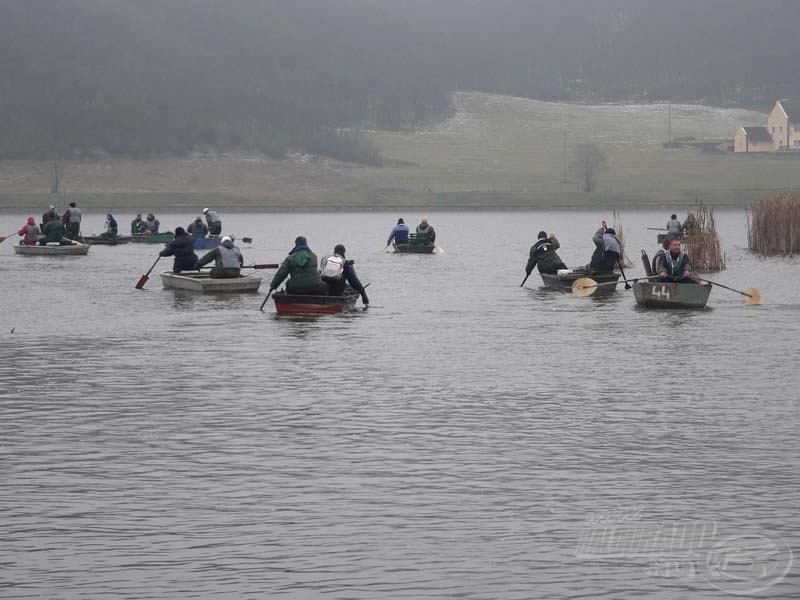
{"x": 449, "y": 442}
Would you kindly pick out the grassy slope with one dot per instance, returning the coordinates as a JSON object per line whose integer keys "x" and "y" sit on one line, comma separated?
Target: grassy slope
{"x": 496, "y": 152}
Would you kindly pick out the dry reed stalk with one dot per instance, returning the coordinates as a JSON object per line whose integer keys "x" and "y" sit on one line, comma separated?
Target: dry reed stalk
{"x": 774, "y": 227}
{"x": 703, "y": 243}
{"x": 616, "y": 223}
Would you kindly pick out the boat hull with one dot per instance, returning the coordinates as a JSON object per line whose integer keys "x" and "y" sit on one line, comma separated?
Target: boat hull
{"x": 671, "y": 295}
{"x": 208, "y": 243}
{"x": 101, "y": 241}
{"x": 565, "y": 281}
{"x": 71, "y": 250}
{"x": 154, "y": 238}
{"x": 291, "y": 304}
{"x": 202, "y": 282}
{"x": 415, "y": 248}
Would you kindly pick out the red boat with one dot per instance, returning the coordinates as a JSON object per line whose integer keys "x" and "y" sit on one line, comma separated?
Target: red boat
{"x": 293, "y": 304}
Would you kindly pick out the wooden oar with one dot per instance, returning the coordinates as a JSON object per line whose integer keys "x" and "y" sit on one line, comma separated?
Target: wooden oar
{"x": 440, "y": 250}
{"x": 752, "y": 295}
{"x": 526, "y": 279}
{"x": 3, "y": 238}
{"x": 387, "y": 248}
{"x": 247, "y": 240}
{"x": 655, "y": 228}
{"x": 265, "y": 300}
{"x": 585, "y": 286}
{"x": 143, "y": 279}
{"x": 625, "y": 279}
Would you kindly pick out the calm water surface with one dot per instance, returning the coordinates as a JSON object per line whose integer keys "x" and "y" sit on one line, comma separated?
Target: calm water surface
{"x": 447, "y": 443}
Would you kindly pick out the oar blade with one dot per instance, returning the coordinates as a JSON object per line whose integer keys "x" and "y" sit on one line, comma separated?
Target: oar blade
{"x": 585, "y": 286}
{"x": 142, "y": 281}
{"x": 438, "y": 250}
{"x": 752, "y": 296}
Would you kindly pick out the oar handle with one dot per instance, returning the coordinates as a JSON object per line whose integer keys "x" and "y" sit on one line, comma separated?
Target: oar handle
{"x": 655, "y": 229}
{"x": 150, "y": 270}
{"x": 262, "y": 266}
{"x": 524, "y": 280}
{"x": 724, "y": 286}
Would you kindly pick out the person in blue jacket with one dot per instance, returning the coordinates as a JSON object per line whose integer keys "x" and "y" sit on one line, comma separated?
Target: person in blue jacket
{"x": 182, "y": 248}
{"x": 399, "y": 234}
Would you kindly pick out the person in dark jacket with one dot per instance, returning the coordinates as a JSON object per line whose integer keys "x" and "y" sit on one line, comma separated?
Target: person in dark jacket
{"x": 301, "y": 268}
{"x": 138, "y": 224}
{"x": 197, "y": 229}
{"x": 54, "y": 231}
{"x": 50, "y": 215}
{"x": 674, "y": 227}
{"x": 338, "y": 272}
{"x": 399, "y": 234}
{"x": 543, "y": 255}
{"x": 228, "y": 260}
{"x": 214, "y": 221}
{"x": 152, "y": 224}
{"x": 607, "y": 251}
{"x": 182, "y": 248}
{"x": 425, "y": 232}
{"x": 675, "y": 266}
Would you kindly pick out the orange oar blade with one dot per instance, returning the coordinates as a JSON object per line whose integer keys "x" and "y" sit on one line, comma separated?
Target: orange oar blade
{"x": 142, "y": 280}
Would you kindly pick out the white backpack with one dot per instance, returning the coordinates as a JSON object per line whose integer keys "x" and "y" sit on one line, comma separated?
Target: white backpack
{"x": 333, "y": 268}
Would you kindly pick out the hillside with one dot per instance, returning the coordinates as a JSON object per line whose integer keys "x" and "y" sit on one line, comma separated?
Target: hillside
{"x": 494, "y": 152}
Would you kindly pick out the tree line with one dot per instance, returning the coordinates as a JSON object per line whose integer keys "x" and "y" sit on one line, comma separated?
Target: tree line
{"x": 145, "y": 78}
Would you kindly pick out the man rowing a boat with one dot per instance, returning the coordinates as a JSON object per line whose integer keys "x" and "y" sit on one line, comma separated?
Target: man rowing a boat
{"x": 399, "y": 234}
{"x": 675, "y": 266}
{"x": 337, "y": 272}
{"x": 197, "y": 229}
{"x": 137, "y": 225}
{"x": 228, "y": 260}
{"x": 425, "y": 233}
{"x": 543, "y": 255}
{"x": 182, "y": 248}
{"x": 214, "y": 221}
{"x": 301, "y": 268}
{"x": 674, "y": 227}
{"x": 607, "y": 251}
{"x": 151, "y": 225}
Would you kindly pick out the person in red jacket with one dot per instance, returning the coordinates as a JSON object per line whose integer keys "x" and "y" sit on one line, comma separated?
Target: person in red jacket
{"x": 30, "y": 232}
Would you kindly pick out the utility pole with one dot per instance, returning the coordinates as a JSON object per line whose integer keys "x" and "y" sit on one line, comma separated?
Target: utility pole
{"x": 669, "y": 122}
{"x": 564, "y": 158}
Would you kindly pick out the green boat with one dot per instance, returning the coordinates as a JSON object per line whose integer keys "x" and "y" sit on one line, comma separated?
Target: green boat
{"x": 417, "y": 244}
{"x": 152, "y": 238}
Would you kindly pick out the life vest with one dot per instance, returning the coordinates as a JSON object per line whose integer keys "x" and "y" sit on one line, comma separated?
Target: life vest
{"x": 674, "y": 265}
{"x": 31, "y": 233}
{"x": 333, "y": 268}
{"x": 212, "y": 216}
{"x": 229, "y": 257}
{"x": 74, "y": 214}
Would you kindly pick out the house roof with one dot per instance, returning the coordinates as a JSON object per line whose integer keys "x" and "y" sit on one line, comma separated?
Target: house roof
{"x": 757, "y": 134}
{"x": 792, "y": 110}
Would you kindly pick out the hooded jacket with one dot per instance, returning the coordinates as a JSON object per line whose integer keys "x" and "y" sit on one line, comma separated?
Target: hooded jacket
{"x": 54, "y": 231}
{"x": 182, "y": 248}
{"x": 198, "y": 229}
{"x": 543, "y": 254}
{"x": 301, "y": 266}
{"x": 225, "y": 256}
{"x": 31, "y": 232}
{"x": 424, "y": 229}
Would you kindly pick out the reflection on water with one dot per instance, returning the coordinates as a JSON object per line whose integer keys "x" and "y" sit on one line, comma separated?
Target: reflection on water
{"x": 447, "y": 442}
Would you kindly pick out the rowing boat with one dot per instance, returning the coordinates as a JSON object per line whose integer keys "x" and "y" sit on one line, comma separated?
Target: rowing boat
{"x": 201, "y": 281}
{"x": 415, "y": 248}
{"x": 671, "y": 295}
{"x": 97, "y": 240}
{"x": 564, "y": 279}
{"x": 152, "y": 238}
{"x": 293, "y": 304}
{"x": 206, "y": 243}
{"x": 74, "y": 249}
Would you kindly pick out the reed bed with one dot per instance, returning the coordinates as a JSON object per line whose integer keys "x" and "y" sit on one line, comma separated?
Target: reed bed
{"x": 773, "y": 226}
{"x": 616, "y": 223}
{"x": 702, "y": 241}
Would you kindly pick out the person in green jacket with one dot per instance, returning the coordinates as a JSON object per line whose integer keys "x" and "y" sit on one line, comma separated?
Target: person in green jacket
{"x": 301, "y": 268}
{"x": 54, "y": 231}
{"x": 543, "y": 255}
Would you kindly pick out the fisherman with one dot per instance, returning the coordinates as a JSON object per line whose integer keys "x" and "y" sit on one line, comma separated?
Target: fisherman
{"x": 137, "y": 225}
{"x": 399, "y": 234}
{"x": 54, "y": 231}
{"x": 112, "y": 228}
{"x": 543, "y": 255}
{"x": 182, "y": 248}
{"x": 30, "y": 233}
{"x": 689, "y": 224}
{"x": 675, "y": 266}
{"x": 607, "y": 251}
{"x": 659, "y": 257}
{"x": 49, "y": 215}
{"x": 72, "y": 221}
{"x": 301, "y": 268}
{"x": 674, "y": 227}
{"x": 197, "y": 229}
{"x": 152, "y": 224}
{"x": 337, "y": 272}
{"x": 214, "y": 221}
{"x": 228, "y": 260}
{"x": 425, "y": 232}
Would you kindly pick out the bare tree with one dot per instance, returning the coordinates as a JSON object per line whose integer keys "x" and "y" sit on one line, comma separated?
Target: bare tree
{"x": 589, "y": 161}
{"x": 56, "y": 172}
